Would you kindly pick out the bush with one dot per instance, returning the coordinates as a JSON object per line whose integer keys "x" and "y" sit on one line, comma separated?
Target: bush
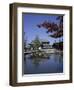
{"x": 58, "y": 45}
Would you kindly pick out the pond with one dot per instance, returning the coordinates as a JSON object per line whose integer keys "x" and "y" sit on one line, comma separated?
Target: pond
{"x": 52, "y": 64}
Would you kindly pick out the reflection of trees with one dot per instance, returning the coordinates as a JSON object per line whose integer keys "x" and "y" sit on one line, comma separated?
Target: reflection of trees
{"x": 39, "y": 60}
{"x": 58, "y": 58}
{"x": 36, "y": 61}
{"x": 61, "y": 58}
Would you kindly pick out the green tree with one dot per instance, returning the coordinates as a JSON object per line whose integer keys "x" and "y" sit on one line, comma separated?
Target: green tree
{"x": 36, "y": 43}
{"x": 25, "y": 42}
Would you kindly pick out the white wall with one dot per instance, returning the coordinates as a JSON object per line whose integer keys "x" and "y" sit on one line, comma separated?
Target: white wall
{"x": 4, "y": 46}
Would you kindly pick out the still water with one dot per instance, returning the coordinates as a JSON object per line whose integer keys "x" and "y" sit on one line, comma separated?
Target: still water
{"x": 52, "y": 64}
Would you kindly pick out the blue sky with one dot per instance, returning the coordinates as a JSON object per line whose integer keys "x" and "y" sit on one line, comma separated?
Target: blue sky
{"x": 30, "y": 22}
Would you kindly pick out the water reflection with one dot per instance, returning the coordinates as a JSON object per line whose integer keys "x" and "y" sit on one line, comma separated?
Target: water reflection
{"x": 52, "y": 64}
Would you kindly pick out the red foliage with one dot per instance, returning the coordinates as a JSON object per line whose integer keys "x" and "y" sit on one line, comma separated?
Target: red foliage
{"x": 53, "y": 27}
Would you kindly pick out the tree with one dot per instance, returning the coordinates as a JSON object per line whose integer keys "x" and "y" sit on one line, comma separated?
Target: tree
{"x": 54, "y": 28}
{"x": 36, "y": 43}
{"x": 25, "y": 42}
